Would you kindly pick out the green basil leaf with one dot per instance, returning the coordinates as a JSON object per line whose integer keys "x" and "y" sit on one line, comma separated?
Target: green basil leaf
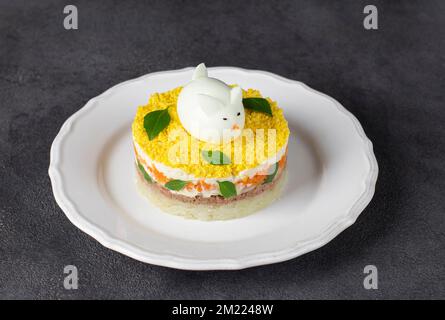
{"x": 144, "y": 173}
{"x": 176, "y": 185}
{"x": 227, "y": 189}
{"x": 215, "y": 157}
{"x": 258, "y": 104}
{"x": 271, "y": 176}
{"x": 155, "y": 122}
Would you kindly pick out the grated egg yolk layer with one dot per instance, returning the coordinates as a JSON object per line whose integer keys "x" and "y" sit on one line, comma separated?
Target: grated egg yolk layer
{"x": 158, "y": 148}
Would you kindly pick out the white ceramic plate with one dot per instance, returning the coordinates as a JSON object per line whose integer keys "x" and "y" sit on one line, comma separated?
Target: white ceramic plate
{"x": 332, "y": 173}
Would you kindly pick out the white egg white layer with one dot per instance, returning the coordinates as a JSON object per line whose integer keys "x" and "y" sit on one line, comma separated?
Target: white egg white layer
{"x": 178, "y": 174}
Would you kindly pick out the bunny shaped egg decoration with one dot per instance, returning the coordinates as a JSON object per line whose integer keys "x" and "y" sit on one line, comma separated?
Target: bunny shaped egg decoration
{"x": 209, "y": 109}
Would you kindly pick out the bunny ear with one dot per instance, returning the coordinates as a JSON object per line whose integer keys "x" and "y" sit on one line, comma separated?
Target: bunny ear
{"x": 209, "y": 105}
{"x": 200, "y": 72}
{"x": 236, "y": 95}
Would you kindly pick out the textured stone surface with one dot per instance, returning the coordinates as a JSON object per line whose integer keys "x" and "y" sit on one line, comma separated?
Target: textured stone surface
{"x": 391, "y": 79}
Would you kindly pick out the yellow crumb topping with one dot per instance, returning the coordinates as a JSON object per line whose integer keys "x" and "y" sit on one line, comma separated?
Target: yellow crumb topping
{"x": 247, "y": 151}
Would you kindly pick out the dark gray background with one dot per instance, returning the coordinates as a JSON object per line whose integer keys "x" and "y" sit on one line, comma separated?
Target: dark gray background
{"x": 391, "y": 79}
